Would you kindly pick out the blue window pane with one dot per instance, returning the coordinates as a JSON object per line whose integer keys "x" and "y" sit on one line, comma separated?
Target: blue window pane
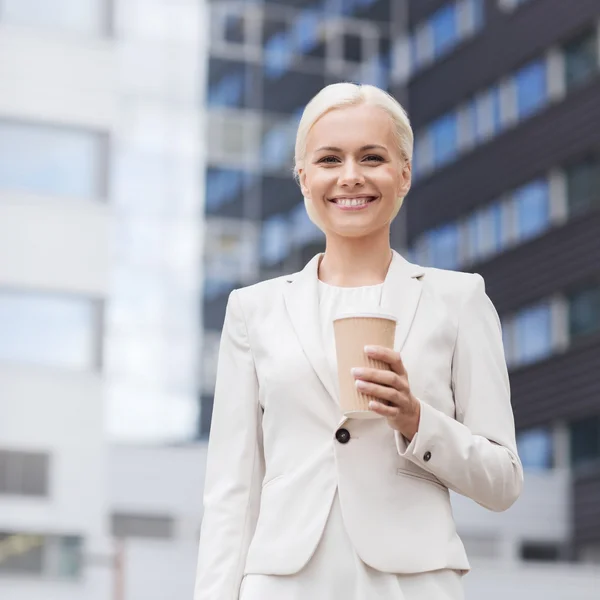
{"x": 222, "y": 186}
{"x": 278, "y": 55}
{"x": 50, "y": 160}
{"x": 532, "y": 91}
{"x": 306, "y": 30}
{"x": 48, "y": 330}
{"x": 536, "y": 449}
{"x": 496, "y": 110}
{"x": 445, "y": 139}
{"x": 275, "y": 240}
{"x": 229, "y": 92}
{"x": 533, "y": 334}
{"x": 478, "y": 12}
{"x": 496, "y": 227}
{"x": 533, "y": 209}
{"x": 444, "y": 247}
{"x": 82, "y": 16}
{"x": 302, "y": 229}
{"x": 413, "y": 52}
{"x": 444, "y": 26}
{"x": 277, "y": 146}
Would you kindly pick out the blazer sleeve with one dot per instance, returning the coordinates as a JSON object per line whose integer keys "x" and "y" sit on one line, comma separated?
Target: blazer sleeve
{"x": 235, "y": 465}
{"x": 474, "y": 454}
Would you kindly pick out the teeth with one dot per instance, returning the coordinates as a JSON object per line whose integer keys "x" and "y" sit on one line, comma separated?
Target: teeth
{"x": 352, "y": 201}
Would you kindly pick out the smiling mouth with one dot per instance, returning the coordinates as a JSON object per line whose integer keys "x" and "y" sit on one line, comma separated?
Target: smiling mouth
{"x": 353, "y": 201}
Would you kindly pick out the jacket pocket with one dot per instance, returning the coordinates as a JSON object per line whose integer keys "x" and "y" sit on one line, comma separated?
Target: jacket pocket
{"x": 421, "y": 476}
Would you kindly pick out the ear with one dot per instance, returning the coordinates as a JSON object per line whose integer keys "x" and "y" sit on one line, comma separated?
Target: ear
{"x": 405, "y": 179}
{"x": 302, "y": 182}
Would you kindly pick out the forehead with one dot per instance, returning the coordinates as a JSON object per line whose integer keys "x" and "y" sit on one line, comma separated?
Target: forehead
{"x": 352, "y": 126}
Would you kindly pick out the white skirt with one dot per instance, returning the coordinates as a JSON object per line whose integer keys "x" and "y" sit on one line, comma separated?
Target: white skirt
{"x": 336, "y": 571}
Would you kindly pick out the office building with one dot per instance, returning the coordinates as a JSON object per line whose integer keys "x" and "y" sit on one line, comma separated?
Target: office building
{"x": 100, "y": 225}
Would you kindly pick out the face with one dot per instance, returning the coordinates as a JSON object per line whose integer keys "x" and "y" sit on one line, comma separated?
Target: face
{"x": 353, "y": 171}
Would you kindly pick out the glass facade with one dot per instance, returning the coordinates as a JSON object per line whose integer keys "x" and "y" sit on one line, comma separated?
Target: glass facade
{"x": 532, "y": 88}
{"x": 581, "y": 59}
{"x": 86, "y": 17}
{"x": 536, "y": 449}
{"x": 56, "y": 331}
{"x": 532, "y": 208}
{"x": 584, "y": 311}
{"x": 53, "y": 161}
{"x": 532, "y": 334}
{"x": 585, "y": 441}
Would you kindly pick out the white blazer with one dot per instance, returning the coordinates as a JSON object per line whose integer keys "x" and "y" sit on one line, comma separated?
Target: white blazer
{"x": 274, "y": 461}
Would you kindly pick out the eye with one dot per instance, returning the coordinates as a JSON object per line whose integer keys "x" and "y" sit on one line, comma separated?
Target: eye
{"x": 374, "y": 158}
{"x": 329, "y": 160}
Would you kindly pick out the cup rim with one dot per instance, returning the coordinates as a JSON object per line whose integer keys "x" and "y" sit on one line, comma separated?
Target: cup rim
{"x": 368, "y": 315}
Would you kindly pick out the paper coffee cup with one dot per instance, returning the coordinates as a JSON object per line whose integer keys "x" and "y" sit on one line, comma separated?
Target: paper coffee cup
{"x": 352, "y": 333}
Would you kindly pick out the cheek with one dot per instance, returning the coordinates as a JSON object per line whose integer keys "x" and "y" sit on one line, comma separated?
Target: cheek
{"x": 316, "y": 182}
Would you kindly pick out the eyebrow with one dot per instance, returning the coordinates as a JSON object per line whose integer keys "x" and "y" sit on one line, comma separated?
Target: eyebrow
{"x": 362, "y": 149}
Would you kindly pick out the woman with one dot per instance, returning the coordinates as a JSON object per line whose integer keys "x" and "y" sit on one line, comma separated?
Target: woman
{"x": 300, "y": 502}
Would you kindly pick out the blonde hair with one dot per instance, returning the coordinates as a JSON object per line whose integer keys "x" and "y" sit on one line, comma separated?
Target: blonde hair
{"x": 341, "y": 95}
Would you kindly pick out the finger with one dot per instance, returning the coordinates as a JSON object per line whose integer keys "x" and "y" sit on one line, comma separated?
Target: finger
{"x": 387, "y": 355}
{"x": 382, "y": 377}
{"x": 380, "y": 392}
{"x": 391, "y": 412}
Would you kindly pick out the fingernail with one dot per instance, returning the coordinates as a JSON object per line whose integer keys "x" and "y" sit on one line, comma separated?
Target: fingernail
{"x": 357, "y": 371}
{"x": 370, "y": 349}
{"x": 360, "y": 383}
{"x": 372, "y": 405}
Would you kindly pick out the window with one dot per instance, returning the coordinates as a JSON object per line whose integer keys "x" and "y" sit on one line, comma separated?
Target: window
{"x": 532, "y": 334}
{"x": 51, "y": 160}
{"x": 444, "y": 247}
{"x": 485, "y": 232}
{"x": 275, "y": 240}
{"x": 444, "y": 133}
{"x": 531, "y": 87}
{"x": 585, "y": 440}
{"x": 46, "y": 555}
{"x": 583, "y": 186}
{"x": 581, "y": 59}
{"x": 535, "y": 448}
{"x": 58, "y": 331}
{"x": 126, "y": 525}
{"x": 82, "y": 16}
{"x": 223, "y": 186}
{"x": 23, "y": 473}
{"x": 21, "y": 554}
{"x": 353, "y": 48}
{"x": 278, "y": 145}
{"x": 444, "y": 24}
{"x": 477, "y": 10}
{"x": 302, "y": 230}
{"x": 532, "y": 208}
{"x": 584, "y": 311}
{"x": 230, "y": 254}
{"x": 278, "y": 55}
{"x": 234, "y": 28}
{"x": 540, "y": 551}
{"x": 306, "y": 31}
{"x": 228, "y": 92}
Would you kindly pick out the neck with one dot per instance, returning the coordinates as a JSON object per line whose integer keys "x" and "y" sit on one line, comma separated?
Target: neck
{"x": 353, "y": 262}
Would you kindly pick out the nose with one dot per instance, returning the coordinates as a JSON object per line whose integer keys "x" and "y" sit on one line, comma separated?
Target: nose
{"x": 351, "y": 175}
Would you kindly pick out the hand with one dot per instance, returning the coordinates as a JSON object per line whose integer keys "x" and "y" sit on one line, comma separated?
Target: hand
{"x": 391, "y": 391}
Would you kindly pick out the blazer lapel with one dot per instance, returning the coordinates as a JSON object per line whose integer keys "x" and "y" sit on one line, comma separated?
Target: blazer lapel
{"x": 302, "y": 302}
{"x": 401, "y": 295}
